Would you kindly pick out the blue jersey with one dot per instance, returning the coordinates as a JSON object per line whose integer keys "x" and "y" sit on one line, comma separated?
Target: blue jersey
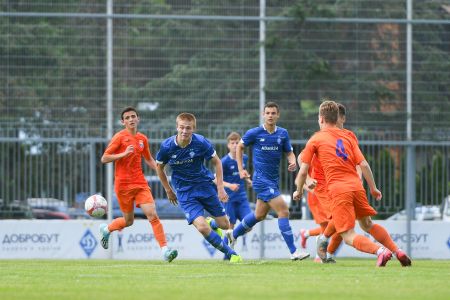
{"x": 231, "y": 175}
{"x": 187, "y": 163}
{"x": 268, "y": 149}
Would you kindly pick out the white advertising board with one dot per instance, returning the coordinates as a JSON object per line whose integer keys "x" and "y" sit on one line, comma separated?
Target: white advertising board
{"x": 78, "y": 239}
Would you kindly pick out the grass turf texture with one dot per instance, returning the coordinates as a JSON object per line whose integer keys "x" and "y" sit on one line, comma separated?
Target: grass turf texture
{"x": 211, "y": 279}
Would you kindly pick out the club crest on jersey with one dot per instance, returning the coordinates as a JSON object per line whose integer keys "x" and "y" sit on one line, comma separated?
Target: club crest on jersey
{"x": 232, "y": 167}
{"x": 191, "y": 154}
{"x": 262, "y": 139}
{"x": 279, "y": 141}
{"x": 174, "y": 156}
{"x": 141, "y": 144}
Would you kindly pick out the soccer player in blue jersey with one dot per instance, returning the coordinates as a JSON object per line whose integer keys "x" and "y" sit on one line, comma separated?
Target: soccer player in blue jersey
{"x": 195, "y": 191}
{"x": 268, "y": 142}
{"x": 237, "y": 206}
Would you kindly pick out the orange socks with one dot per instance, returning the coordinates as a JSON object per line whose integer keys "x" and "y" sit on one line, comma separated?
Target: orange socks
{"x": 158, "y": 231}
{"x": 330, "y": 230}
{"x": 383, "y": 237}
{"x": 117, "y": 224}
{"x": 363, "y": 244}
{"x": 315, "y": 231}
{"x": 336, "y": 240}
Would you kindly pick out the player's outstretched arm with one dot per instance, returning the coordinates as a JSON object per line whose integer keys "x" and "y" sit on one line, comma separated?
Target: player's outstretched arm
{"x": 300, "y": 181}
{"x": 240, "y": 161}
{"x": 223, "y": 196}
{"x": 151, "y": 163}
{"x": 292, "y": 164}
{"x": 232, "y": 186}
{"x": 368, "y": 176}
{"x": 165, "y": 182}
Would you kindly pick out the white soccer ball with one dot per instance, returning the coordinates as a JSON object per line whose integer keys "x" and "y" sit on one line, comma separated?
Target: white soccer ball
{"x": 96, "y": 206}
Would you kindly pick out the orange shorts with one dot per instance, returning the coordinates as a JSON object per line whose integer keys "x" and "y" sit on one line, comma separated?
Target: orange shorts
{"x": 325, "y": 202}
{"x": 127, "y": 198}
{"x": 316, "y": 209}
{"x": 348, "y": 207}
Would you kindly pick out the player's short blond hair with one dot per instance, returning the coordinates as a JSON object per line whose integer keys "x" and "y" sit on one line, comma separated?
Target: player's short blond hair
{"x": 329, "y": 110}
{"x": 233, "y": 136}
{"x": 187, "y": 117}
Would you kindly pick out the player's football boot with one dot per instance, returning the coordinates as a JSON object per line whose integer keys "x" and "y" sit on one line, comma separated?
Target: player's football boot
{"x": 384, "y": 257}
{"x": 235, "y": 259}
{"x": 217, "y": 230}
{"x": 329, "y": 260}
{"x": 403, "y": 258}
{"x": 297, "y": 255}
{"x": 322, "y": 245}
{"x": 230, "y": 237}
{"x": 105, "y": 235}
{"x": 303, "y": 238}
{"x": 170, "y": 254}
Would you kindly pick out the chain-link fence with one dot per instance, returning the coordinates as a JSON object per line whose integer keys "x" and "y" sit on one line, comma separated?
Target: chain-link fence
{"x": 210, "y": 58}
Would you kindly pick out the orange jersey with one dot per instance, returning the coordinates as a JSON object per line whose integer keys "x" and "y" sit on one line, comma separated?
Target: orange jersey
{"x": 338, "y": 153}
{"x": 351, "y": 134}
{"x": 128, "y": 169}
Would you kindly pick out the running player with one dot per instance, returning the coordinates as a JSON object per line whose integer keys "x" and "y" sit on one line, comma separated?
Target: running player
{"x": 195, "y": 190}
{"x": 126, "y": 149}
{"x": 269, "y": 142}
{"x": 339, "y": 154}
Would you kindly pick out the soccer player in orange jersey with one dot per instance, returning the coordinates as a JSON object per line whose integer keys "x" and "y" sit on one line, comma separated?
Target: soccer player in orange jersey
{"x": 126, "y": 150}
{"x": 339, "y": 154}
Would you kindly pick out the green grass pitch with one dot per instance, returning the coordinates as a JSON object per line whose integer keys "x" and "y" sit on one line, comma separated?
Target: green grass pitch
{"x": 213, "y": 279}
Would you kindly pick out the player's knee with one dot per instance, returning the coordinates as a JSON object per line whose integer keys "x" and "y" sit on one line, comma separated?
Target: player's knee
{"x": 260, "y": 217}
{"x": 366, "y": 224}
{"x": 283, "y": 213}
{"x": 128, "y": 223}
{"x": 224, "y": 225}
{"x": 152, "y": 216}
{"x": 204, "y": 229}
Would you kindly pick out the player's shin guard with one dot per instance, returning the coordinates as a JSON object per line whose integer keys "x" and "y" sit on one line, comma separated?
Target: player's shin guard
{"x": 117, "y": 224}
{"x": 363, "y": 244}
{"x": 215, "y": 240}
{"x": 286, "y": 232}
{"x": 246, "y": 224}
{"x": 158, "y": 231}
{"x": 383, "y": 237}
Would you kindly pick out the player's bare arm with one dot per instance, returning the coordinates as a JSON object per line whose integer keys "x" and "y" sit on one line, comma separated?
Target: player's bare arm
{"x": 292, "y": 165}
{"x": 107, "y": 158}
{"x": 368, "y": 176}
{"x": 240, "y": 161}
{"x": 151, "y": 163}
{"x": 300, "y": 181}
{"x": 223, "y": 196}
{"x": 165, "y": 182}
{"x": 232, "y": 186}
{"x": 310, "y": 183}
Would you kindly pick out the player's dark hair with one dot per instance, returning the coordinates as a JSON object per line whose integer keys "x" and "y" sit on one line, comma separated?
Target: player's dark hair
{"x": 272, "y": 104}
{"x": 342, "y": 109}
{"x": 127, "y": 109}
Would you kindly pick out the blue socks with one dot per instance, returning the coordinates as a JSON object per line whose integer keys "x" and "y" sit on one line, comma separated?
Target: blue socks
{"x": 286, "y": 232}
{"x": 246, "y": 224}
{"x": 213, "y": 224}
{"x": 214, "y": 239}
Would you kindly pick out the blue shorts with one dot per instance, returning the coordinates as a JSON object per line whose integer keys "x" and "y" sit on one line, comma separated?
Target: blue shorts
{"x": 237, "y": 209}
{"x": 199, "y": 198}
{"x": 266, "y": 191}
